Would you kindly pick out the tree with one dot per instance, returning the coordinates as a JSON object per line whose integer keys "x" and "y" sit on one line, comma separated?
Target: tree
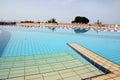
{"x": 98, "y": 22}
{"x": 79, "y": 19}
{"x": 27, "y": 21}
{"x": 7, "y": 23}
{"x": 52, "y": 21}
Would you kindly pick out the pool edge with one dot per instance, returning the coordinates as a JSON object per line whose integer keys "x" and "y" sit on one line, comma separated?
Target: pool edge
{"x": 113, "y": 70}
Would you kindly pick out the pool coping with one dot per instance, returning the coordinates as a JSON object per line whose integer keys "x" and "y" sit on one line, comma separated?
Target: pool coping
{"x": 0, "y": 31}
{"x": 113, "y": 70}
{"x": 4, "y": 39}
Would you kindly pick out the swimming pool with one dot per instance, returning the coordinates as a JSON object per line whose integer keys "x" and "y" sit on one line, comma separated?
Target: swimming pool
{"x": 32, "y": 51}
{"x": 29, "y": 41}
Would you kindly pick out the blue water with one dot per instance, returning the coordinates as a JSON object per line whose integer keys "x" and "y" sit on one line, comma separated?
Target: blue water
{"x": 30, "y": 41}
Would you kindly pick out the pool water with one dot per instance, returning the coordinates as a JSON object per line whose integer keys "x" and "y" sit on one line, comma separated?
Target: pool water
{"x": 32, "y": 41}
{"x": 29, "y": 52}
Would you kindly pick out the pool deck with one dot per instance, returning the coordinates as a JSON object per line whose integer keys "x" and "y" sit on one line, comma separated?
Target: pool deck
{"x": 112, "y": 67}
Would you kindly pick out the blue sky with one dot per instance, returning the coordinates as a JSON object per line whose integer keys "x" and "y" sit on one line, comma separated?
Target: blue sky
{"x": 107, "y": 11}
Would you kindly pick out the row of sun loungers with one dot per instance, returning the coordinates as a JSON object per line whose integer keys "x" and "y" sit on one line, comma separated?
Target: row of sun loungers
{"x": 96, "y": 27}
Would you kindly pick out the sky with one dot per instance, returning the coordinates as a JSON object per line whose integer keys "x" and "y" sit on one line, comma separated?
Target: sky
{"x": 64, "y": 11}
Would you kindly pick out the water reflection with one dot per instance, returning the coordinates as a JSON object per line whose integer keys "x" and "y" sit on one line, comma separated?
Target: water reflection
{"x": 52, "y": 28}
{"x": 80, "y": 30}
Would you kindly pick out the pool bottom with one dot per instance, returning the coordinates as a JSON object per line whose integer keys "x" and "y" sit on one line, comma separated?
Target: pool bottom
{"x": 61, "y": 65}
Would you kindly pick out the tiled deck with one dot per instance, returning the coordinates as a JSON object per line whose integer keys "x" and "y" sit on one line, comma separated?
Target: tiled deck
{"x": 113, "y": 68}
{"x": 57, "y": 66}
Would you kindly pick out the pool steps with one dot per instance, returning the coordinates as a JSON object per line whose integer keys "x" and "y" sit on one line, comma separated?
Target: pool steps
{"x": 27, "y": 66}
